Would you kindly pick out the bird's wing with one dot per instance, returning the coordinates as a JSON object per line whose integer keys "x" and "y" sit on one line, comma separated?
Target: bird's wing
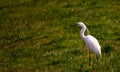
{"x": 93, "y": 44}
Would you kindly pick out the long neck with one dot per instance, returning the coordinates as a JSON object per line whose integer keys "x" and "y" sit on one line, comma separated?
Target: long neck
{"x": 83, "y": 31}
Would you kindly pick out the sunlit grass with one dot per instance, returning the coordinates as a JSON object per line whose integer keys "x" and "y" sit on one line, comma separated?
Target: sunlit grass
{"x": 37, "y": 36}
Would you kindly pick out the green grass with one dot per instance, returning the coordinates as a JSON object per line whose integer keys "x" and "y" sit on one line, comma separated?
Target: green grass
{"x": 37, "y": 36}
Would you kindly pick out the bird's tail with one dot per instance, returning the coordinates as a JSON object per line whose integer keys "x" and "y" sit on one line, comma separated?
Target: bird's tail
{"x": 100, "y": 54}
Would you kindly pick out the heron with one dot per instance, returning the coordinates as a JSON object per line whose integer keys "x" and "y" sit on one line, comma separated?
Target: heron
{"x": 90, "y": 41}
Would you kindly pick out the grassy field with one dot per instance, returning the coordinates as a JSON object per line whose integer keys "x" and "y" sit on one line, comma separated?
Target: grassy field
{"x": 37, "y": 36}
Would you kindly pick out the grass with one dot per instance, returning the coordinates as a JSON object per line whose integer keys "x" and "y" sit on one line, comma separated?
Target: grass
{"x": 37, "y": 36}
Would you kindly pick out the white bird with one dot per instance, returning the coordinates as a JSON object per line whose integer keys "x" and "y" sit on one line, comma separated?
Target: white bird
{"x": 90, "y": 41}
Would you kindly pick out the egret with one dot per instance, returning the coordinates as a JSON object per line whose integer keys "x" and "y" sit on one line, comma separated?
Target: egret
{"x": 90, "y": 41}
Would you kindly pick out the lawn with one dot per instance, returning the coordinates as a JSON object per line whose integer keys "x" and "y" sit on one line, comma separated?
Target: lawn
{"x": 37, "y": 36}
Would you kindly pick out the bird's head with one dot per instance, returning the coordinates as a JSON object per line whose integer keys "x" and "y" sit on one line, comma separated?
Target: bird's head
{"x": 80, "y": 24}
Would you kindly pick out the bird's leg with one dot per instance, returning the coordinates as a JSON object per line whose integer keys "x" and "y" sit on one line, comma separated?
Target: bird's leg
{"x": 89, "y": 57}
{"x": 97, "y": 57}
{"x": 98, "y": 61}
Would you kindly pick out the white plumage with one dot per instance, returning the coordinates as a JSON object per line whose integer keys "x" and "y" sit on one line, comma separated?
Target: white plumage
{"x": 91, "y": 42}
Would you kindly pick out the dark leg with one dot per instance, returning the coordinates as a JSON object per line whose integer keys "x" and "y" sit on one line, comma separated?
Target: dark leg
{"x": 97, "y": 57}
{"x": 89, "y": 58}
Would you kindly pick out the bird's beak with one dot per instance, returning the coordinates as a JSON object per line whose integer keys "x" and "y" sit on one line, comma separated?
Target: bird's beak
{"x": 74, "y": 24}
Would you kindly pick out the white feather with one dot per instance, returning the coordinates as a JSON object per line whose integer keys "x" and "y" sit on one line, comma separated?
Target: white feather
{"x": 91, "y": 42}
